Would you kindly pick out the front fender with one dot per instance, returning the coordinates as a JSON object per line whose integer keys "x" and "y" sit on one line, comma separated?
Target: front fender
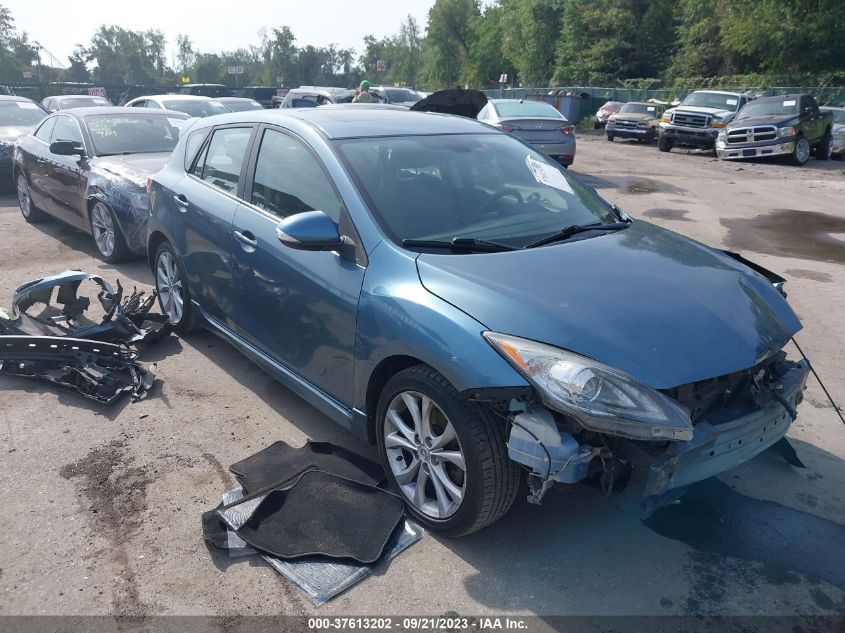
{"x": 397, "y": 316}
{"x": 128, "y": 201}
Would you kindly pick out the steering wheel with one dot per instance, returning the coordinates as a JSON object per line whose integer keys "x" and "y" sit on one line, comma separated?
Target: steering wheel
{"x": 504, "y": 193}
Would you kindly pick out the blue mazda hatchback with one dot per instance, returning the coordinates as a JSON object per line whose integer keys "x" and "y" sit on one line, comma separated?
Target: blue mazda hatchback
{"x": 446, "y": 292}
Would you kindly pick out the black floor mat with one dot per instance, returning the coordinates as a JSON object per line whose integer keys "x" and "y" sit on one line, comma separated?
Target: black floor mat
{"x": 279, "y": 463}
{"x": 327, "y": 515}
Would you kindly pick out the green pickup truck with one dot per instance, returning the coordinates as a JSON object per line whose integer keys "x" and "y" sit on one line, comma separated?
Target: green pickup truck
{"x": 786, "y": 125}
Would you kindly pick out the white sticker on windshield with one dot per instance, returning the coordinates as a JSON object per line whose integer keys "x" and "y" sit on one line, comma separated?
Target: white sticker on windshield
{"x": 547, "y": 175}
{"x": 731, "y": 101}
{"x": 27, "y": 106}
{"x": 790, "y": 103}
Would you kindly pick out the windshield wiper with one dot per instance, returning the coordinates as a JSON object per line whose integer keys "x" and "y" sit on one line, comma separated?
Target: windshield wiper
{"x": 568, "y": 231}
{"x": 461, "y": 244}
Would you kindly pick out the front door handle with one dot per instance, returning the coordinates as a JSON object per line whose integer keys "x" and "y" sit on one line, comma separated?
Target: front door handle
{"x": 181, "y": 201}
{"x": 247, "y": 239}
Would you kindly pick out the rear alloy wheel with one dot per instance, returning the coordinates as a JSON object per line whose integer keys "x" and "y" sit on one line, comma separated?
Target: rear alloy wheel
{"x": 173, "y": 295}
{"x": 107, "y": 235}
{"x": 445, "y": 456}
{"x": 801, "y": 153}
{"x": 825, "y": 147}
{"x": 29, "y": 211}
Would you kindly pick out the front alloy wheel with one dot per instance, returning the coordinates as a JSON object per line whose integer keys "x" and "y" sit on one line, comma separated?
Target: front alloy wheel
{"x": 107, "y": 235}
{"x": 424, "y": 454}
{"x": 445, "y": 454}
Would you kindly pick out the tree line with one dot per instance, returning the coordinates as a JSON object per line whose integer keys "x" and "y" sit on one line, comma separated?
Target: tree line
{"x": 472, "y": 43}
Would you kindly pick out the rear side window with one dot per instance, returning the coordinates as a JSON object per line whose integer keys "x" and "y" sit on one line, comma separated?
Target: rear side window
{"x": 67, "y": 129}
{"x": 289, "y": 179}
{"x": 224, "y": 157}
{"x": 46, "y": 130}
{"x": 192, "y": 146}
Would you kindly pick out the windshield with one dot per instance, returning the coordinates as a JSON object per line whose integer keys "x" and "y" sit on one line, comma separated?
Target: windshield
{"x": 397, "y": 94}
{"x": 766, "y": 107}
{"x": 711, "y": 100}
{"x": 195, "y": 107}
{"x": 20, "y": 113}
{"x": 527, "y": 108}
{"x": 245, "y": 104}
{"x": 483, "y": 186}
{"x": 638, "y": 108}
{"x": 133, "y": 133}
{"x": 84, "y": 102}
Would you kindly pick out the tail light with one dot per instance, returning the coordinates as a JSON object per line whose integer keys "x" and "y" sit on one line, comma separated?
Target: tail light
{"x": 509, "y": 128}
{"x": 567, "y": 130}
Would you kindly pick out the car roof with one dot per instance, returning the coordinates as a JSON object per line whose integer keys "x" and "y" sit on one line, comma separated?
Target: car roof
{"x": 101, "y": 110}
{"x": 778, "y": 97}
{"x": 645, "y": 103}
{"x": 339, "y": 123}
{"x": 195, "y": 85}
{"x": 76, "y": 97}
{"x": 518, "y": 101}
{"x": 720, "y": 92}
{"x": 234, "y": 99}
{"x": 14, "y": 98}
{"x": 175, "y": 96}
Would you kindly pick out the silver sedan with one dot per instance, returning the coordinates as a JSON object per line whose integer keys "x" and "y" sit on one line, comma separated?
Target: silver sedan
{"x": 535, "y": 122}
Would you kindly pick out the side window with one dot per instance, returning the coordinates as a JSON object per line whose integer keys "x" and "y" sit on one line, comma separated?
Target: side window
{"x": 290, "y": 180}
{"x": 152, "y": 104}
{"x": 224, "y": 156}
{"x": 67, "y": 129}
{"x": 43, "y": 133}
{"x": 140, "y": 104}
{"x": 192, "y": 145}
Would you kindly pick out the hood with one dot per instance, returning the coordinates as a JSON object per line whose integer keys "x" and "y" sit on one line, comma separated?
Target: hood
{"x": 11, "y": 133}
{"x": 134, "y": 167}
{"x": 702, "y": 110}
{"x": 659, "y": 306}
{"x": 457, "y": 101}
{"x": 778, "y": 120}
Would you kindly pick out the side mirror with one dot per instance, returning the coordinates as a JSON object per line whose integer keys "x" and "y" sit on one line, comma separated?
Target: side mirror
{"x": 310, "y": 231}
{"x": 67, "y": 148}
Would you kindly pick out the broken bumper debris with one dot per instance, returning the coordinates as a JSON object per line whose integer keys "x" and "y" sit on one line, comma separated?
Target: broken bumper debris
{"x": 125, "y": 320}
{"x": 97, "y": 370}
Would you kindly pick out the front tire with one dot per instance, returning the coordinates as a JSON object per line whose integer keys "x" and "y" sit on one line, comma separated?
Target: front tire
{"x": 30, "y": 213}
{"x": 664, "y": 144}
{"x": 171, "y": 285}
{"x": 107, "y": 234}
{"x": 801, "y": 153}
{"x": 444, "y": 455}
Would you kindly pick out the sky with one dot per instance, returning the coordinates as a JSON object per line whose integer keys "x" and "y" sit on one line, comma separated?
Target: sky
{"x": 213, "y": 25}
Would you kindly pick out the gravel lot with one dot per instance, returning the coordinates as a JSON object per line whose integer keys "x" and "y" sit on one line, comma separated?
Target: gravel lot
{"x": 102, "y": 506}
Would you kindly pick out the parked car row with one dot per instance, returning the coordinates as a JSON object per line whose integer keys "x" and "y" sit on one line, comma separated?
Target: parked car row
{"x": 734, "y": 125}
{"x": 374, "y": 260}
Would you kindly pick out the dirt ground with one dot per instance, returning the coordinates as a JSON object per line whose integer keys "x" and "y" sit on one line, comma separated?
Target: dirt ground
{"x": 102, "y": 507}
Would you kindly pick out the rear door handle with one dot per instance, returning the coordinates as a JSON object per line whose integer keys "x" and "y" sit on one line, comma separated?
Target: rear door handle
{"x": 181, "y": 202}
{"x": 247, "y": 239}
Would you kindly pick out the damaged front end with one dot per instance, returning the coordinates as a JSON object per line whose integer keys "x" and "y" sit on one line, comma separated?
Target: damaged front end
{"x": 63, "y": 311}
{"x": 587, "y": 421}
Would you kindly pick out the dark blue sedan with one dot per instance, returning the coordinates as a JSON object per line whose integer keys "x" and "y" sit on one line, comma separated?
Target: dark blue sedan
{"x": 443, "y": 290}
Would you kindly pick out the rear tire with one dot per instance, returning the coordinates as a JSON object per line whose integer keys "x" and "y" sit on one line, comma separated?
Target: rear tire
{"x": 30, "y": 213}
{"x": 455, "y": 485}
{"x": 664, "y": 144}
{"x": 823, "y": 149}
{"x": 174, "y": 298}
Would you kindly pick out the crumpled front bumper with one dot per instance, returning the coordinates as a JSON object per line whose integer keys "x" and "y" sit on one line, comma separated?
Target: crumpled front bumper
{"x": 720, "y": 443}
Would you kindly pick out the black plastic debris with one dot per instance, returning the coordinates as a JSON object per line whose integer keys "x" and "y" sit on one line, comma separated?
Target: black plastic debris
{"x": 97, "y": 370}
{"x": 63, "y": 311}
{"x": 280, "y": 463}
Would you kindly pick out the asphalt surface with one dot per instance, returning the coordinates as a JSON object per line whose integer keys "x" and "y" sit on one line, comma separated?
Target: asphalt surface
{"x": 101, "y": 507}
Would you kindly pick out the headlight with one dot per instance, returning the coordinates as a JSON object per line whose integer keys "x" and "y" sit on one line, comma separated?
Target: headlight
{"x": 139, "y": 201}
{"x": 717, "y": 122}
{"x": 786, "y": 131}
{"x": 601, "y": 398}
{"x": 666, "y": 118}
{"x": 643, "y": 124}
{"x": 722, "y": 137}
